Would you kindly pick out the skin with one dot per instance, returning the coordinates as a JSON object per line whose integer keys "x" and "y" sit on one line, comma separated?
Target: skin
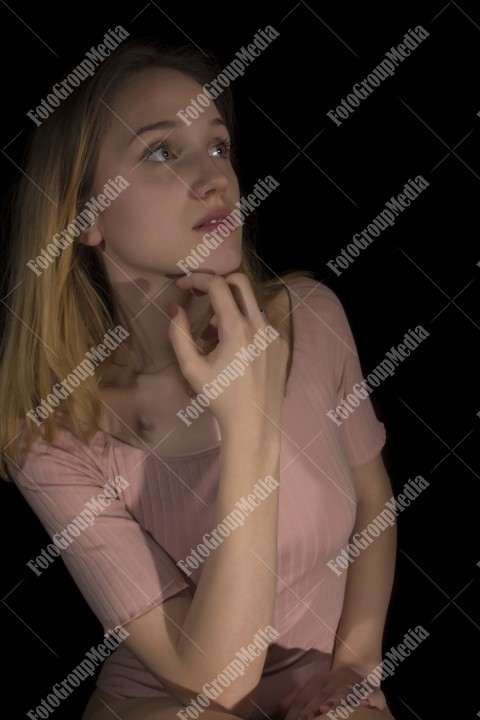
{"x": 148, "y": 228}
{"x": 140, "y": 238}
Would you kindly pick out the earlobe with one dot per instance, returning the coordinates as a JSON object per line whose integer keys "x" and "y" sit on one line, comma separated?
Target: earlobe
{"x": 92, "y": 236}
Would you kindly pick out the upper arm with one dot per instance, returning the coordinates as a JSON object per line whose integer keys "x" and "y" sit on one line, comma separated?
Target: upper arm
{"x": 125, "y": 576}
{"x": 371, "y": 480}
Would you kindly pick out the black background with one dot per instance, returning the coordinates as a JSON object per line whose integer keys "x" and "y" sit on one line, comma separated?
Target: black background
{"x": 333, "y": 182}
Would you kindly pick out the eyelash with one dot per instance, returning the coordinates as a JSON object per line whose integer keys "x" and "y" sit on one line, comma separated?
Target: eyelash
{"x": 166, "y": 145}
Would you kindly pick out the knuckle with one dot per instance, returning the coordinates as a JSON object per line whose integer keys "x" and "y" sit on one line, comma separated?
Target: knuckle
{"x": 235, "y": 275}
{"x": 240, "y": 279}
{"x": 217, "y": 282}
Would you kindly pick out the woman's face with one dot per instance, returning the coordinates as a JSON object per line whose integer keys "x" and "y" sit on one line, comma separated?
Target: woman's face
{"x": 149, "y": 227}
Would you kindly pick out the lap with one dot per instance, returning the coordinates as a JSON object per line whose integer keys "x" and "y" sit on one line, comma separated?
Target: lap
{"x": 362, "y": 713}
{"x": 104, "y": 707}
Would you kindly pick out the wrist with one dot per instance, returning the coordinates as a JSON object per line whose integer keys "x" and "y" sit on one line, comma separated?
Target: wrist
{"x": 260, "y": 436}
{"x": 361, "y": 665}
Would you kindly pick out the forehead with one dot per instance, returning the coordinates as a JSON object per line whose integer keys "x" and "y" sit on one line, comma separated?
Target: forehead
{"x": 157, "y": 91}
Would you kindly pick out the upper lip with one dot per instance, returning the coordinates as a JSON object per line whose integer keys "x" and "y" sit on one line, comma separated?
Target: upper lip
{"x": 216, "y": 214}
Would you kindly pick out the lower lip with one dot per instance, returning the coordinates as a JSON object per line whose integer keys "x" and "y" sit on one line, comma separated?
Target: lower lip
{"x": 214, "y": 226}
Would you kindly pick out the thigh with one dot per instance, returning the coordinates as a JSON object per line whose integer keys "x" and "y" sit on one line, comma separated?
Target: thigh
{"x": 362, "y": 713}
{"x": 104, "y": 707}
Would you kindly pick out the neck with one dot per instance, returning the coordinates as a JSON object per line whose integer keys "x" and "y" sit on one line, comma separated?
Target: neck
{"x": 150, "y": 349}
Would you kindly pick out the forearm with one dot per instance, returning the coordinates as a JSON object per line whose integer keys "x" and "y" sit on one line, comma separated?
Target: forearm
{"x": 236, "y": 591}
{"x": 368, "y": 589}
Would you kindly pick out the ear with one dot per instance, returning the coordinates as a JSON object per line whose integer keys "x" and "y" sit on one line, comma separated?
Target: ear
{"x": 92, "y": 236}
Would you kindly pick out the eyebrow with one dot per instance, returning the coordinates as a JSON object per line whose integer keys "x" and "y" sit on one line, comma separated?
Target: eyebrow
{"x": 170, "y": 124}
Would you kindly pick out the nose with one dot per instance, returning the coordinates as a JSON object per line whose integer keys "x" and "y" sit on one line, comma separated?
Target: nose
{"x": 208, "y": 176}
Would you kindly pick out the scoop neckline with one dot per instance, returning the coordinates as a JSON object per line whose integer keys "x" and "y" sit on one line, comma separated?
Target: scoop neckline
{"x": 188, "y": 456}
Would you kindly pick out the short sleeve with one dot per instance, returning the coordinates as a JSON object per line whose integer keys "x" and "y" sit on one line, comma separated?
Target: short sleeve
{"x": 118, "y": 567}
{"x": 363, "y": 435}
{"x": 327, "y": 336}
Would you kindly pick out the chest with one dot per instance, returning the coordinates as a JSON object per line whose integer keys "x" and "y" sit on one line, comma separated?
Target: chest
{"x": 148, "y": 414}
{"x": 317, "y": 500}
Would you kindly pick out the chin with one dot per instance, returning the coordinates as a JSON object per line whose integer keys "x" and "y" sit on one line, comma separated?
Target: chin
{"x": 228, "y": 261}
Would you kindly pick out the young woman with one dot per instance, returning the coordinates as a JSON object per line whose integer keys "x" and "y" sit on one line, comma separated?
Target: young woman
{"x": 173, "y": 426}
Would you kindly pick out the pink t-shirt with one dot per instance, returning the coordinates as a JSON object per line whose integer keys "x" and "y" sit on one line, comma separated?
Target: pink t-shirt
{"x": 125, "y": 562}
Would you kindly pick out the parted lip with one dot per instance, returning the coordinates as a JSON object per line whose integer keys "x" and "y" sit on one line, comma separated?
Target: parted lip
{"x": 216, "y": 214}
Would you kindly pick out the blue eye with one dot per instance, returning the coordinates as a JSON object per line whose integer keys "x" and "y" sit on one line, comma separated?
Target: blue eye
{"x": 163, "y": 152}
{"x": 159, "y": 153}
{"x": 226, "y": 147}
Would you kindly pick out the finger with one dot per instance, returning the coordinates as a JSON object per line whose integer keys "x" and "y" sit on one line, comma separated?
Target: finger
{"x": 340, "y": 701}
{"x": 220, "y": 296}
{"x": 285, "y": 702}
{"x": 376, "y": 699}
{"x": 303, "y": 712}
{"x": 306, "y": 715}
{"x": 233, "y": 288}
{"x": 187, "y": 352}
{"x": 301, "y": 707}
{"x": 330, "y": 703}
{"x": 311, "y": 708}
{"x": 294, "y": 711}
{"x": 325, "y": 709}
{"x": 309, "y": 697}
{"x": 244, "y": 296}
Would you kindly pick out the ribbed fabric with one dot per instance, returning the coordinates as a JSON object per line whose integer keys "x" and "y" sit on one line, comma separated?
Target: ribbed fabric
{"x": 125, "y": 563}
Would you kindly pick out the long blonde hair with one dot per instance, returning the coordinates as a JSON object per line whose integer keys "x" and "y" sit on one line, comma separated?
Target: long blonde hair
{"x": 52, "y": 320}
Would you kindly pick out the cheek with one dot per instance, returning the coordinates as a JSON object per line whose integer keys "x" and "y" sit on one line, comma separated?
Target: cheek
{"x": 138, "y": 210}
{"x": 233, "y": 181}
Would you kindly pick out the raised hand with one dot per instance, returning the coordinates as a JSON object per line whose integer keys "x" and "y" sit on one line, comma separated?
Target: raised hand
{"x": 257, "y": 393}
